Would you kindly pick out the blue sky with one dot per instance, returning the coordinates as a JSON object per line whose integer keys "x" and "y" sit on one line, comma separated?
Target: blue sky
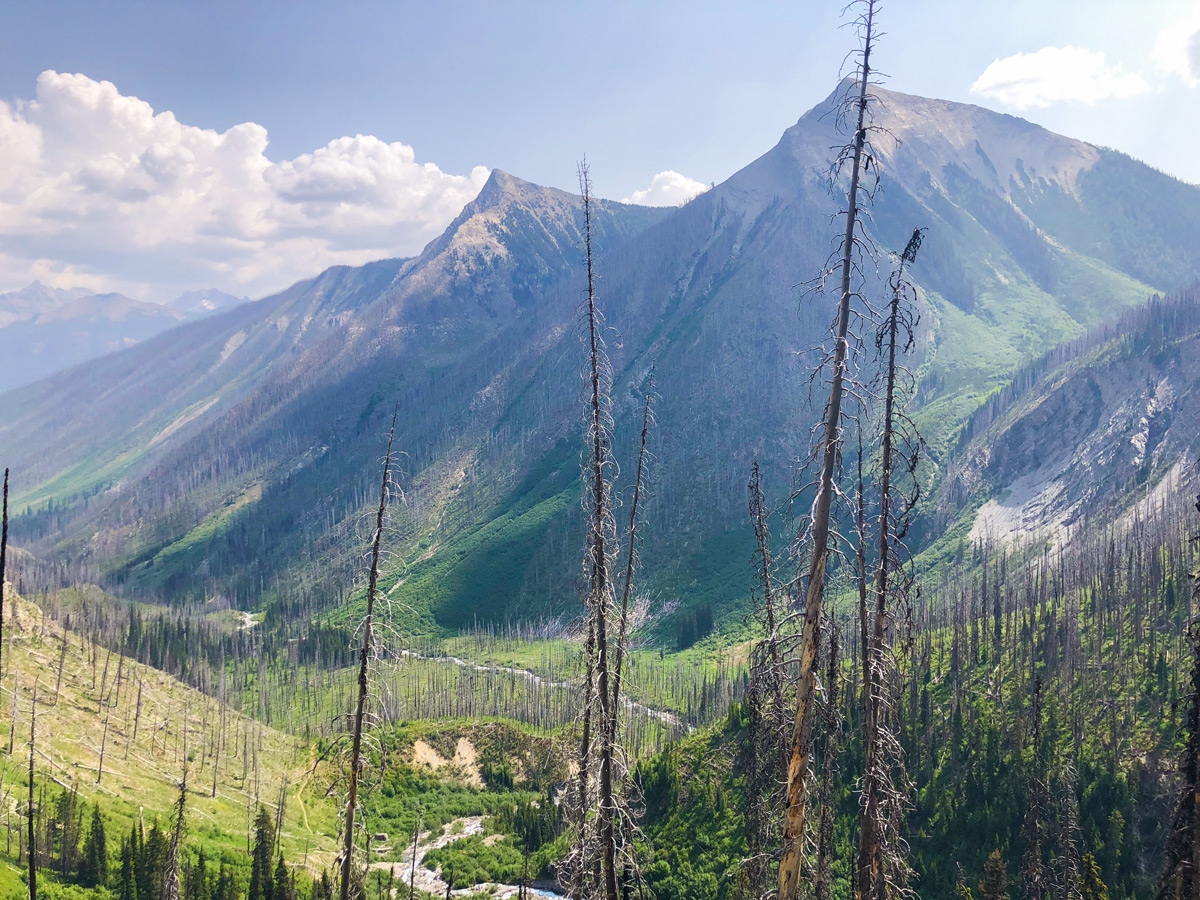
{"x": 697, "y": 89}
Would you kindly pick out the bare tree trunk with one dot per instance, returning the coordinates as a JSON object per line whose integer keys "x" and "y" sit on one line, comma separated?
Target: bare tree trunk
{"x": 584, "y": 762}
{"x": 1181, "y": 878}
{"x": 864, "y": 630}
{"x": 872, "y": 880}
{"x": 823, "y": 888}
{"x": 798, "y": 787}
{"x": 103, "y": 746}
{"x": 412, "y": 875}
{"x": 3, "y": 558}
{"x": 599, "y": 553}
{"x": 136, "y": 716}
{"x": 363, "y": 660}
{"x": 630, "y": 560}
{"x": 32, "y": 829}
{"x": 772, "y": 652}
{"x": 765, "y": 743}
{"x": 178, "y": 830}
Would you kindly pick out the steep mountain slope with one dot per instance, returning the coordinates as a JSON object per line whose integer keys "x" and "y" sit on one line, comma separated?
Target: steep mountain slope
{"x": 248, "y": 398}
{"x": 98, "y": 419}
{"x": 1084, "y": 432}
{"x": 247, "y": 442}
{"x": 119, "y": 731}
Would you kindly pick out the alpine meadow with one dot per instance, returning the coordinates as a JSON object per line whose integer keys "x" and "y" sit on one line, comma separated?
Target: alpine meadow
{"x": 829, "y": 531}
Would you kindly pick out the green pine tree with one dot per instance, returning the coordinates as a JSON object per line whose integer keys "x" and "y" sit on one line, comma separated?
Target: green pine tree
{"x": 226, "y": 888}
{"x": 149, "y": 864}
{"x": 93, "y": 867}
{"x": 127, "y": 886}
{"x": 196, "y": 883}
{"x": 261, "y": 886}
{"x": 284, "y": 889}
{"x": 1092, "y": 888}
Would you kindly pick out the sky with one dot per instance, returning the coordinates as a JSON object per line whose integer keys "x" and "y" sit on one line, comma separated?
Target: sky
{"x": 154, "y": 148}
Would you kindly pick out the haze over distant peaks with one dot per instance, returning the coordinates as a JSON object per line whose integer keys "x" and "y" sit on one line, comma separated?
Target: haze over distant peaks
{"x": 199, "y": 303}
{"x": 45, "y": 329}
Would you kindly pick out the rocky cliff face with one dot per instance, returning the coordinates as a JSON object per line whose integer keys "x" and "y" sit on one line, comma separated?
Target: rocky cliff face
{"x": 1109, "y": 425}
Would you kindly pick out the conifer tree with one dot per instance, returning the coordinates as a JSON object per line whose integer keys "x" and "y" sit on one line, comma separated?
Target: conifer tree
{"x": 93, "y": 868}
{"x": 150, "y": 865}
{"x": 284, "y": 887}
{"x": 126, "y": 886}
{"x": 261, "y": 885}
{"x": 961, "y": 890}
{"x": 595, "y": 851}
{"x": 1093, "y": 888}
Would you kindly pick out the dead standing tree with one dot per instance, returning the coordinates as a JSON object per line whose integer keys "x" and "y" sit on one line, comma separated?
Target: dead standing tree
{"x": 596, "y": 858}
{"x": 3, "y": 558}
{"x": 171, "y": 885}
{"x": 1181, "y": 879}
{"x": 799, "y": 777}
{"x": 631, "y": 557}
{"x": 882, "y": 871}
{"x": 364, "y": 659}
{"x": 31, "y": 813}
{"x": 624, "y": 792}
{"x": 766, "y": 744}
{"x": 823, "y": 882}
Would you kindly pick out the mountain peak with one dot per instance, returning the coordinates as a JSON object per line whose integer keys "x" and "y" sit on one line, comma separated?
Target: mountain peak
{"x": 502, "y": 189}
{"x": 915, "y": 133}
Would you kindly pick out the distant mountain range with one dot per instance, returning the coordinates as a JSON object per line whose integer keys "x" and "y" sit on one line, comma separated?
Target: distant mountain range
{"x": 44, "y": 329}
{"x": 234, "y": 455}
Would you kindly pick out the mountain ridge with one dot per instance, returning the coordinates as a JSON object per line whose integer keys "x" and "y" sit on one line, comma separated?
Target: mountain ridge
{"x": 475, "y": 339}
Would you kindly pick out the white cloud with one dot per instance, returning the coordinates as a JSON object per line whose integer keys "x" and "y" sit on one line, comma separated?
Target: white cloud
{"x": 98, "y": 189}
{"x": 1056, "y": 75}
{"x": 1177, "y": 50}
{"x": 667, "y": 189}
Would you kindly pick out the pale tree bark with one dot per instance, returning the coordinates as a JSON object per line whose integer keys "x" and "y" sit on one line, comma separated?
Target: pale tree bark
{"x": 799, "y": 777}
{"x": 766, "y": 746}
{"x": 178, "y": 830}
{"x": 873, "y": 880}
{"x": 599, "y": 553}
{"x": 3, "y": 558}
{"x": 823, "y": 888}
{"x": 32, "y": 820}
{"x": 630, "y": 558}
{"x": 1181, "y": 878}
{"x": 368, "y": 649}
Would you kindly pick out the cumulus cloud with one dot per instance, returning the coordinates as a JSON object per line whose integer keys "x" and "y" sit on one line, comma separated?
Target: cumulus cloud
{"x": 99, "y": 189}
{"x": 667, "y": 189}
{"x": 1177, "y": 50}
{"x": 1056, "y": 75}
